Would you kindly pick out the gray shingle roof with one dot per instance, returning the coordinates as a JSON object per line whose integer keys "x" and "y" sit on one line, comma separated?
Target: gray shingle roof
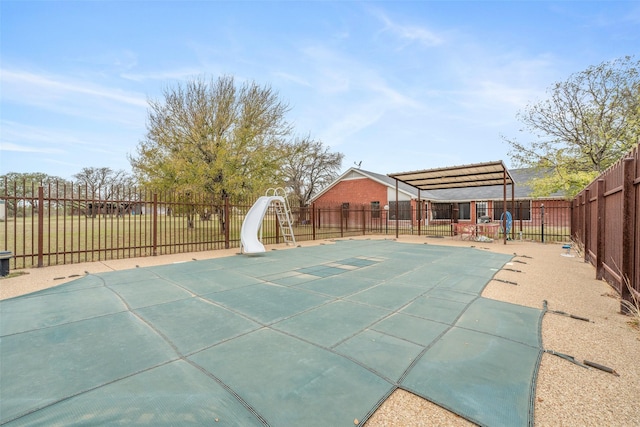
{"x": 522, "y": 189}
{"x": 520, "y": 176}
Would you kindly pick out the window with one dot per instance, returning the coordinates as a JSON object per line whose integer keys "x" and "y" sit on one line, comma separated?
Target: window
{"x": 481, "y": 208}
{"x": 464, "y": 210}
{"x": 441, "y": 210}
{"x": 345, "y": 210}
{"x": 404, "y": 210}
{"x": 515, "y": 214}
{"x": 375, "y": 209}
{"x": 482, "y": 212}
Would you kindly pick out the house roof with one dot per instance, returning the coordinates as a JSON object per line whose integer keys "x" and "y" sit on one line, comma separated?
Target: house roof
{"x": 495, "y": 192}
{"x": 523, "y": 190}
{"x": 354, "y": 173}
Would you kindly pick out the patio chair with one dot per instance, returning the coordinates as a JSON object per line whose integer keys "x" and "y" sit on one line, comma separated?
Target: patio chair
{"x": 467, "y": 231}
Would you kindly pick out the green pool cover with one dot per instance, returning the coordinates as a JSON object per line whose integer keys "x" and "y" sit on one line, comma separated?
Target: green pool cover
{"x": 308, "y": 336}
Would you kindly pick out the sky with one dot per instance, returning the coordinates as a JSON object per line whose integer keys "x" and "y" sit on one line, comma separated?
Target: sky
{"x": 395, "y": 86}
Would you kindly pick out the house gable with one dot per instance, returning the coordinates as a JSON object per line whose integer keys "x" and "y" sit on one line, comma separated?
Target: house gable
{"x": 355, "y": 183}
{"x": 355, "y": 190}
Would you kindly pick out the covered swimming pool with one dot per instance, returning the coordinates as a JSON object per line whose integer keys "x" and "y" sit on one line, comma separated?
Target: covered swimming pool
{"x": 319, "y": 335}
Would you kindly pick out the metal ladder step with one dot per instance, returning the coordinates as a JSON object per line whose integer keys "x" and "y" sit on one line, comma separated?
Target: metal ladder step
{"x": 284, "y": 220}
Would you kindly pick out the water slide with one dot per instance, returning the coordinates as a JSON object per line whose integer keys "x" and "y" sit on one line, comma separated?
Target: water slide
{"x": 252, "y": 223}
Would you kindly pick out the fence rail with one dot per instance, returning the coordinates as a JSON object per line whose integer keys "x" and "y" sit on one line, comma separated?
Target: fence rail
{"x": 56, "y": 224}
{"x": 606, "y": 221}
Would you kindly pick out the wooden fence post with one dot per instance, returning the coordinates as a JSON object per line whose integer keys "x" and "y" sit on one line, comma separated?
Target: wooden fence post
{"x": 600, "y": 230}
{"x": 629, "y": 233}
{"x": 586, "y": 220}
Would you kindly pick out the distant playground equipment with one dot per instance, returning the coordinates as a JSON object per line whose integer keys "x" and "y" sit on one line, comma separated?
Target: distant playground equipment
{"x": 251, "y": 232}
{"x": 506, "y": 228}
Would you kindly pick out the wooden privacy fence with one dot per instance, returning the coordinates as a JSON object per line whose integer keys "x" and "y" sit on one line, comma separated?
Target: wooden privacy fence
{"x": 606, "y": 221}
{"x": 59, "y": 223}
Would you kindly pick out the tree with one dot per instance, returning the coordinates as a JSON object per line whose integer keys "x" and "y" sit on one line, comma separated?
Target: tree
{"x": 21, "y": 189}
{"x": 211, "y": 136}
{"x": 589, "y": 122}
{"x": 309, "y": 166}
{"x": 104, "y": 185}
{"x": 102, "y": 180}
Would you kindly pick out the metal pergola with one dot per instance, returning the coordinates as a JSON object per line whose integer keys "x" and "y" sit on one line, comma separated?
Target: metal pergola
{"x": 473, "y": 175}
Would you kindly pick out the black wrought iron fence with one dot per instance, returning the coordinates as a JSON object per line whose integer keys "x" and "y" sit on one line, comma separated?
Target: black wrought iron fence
{"x": 65, "y": 223}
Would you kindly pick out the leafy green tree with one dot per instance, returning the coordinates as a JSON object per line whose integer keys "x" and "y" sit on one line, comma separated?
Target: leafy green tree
{"x": 212, "y": 136}
{"x": 588, "y": 123}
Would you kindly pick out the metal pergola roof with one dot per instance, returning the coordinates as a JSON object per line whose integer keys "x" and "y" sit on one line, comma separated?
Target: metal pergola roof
{"x": 475, "y": 175}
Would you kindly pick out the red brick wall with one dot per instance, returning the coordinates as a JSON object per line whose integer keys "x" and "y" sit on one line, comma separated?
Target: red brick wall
{"x": 356, "y": 192}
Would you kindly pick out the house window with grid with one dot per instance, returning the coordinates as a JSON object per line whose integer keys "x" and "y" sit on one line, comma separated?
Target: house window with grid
{"x": 404, "y": 210}
{"x": 517, "y": 213}
{"x": 464, "y": 211}
{"x": 375, "y": 209}
{"x": 345, "y": 210}
{"x": 441, "y": 210}
{"x": 482, "y": 212}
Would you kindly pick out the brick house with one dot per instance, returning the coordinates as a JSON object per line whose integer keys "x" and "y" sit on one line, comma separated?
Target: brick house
{"x": 372, "y": 195}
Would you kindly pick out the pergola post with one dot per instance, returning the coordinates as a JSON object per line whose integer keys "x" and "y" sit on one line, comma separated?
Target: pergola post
{"x": 504, "y": 206}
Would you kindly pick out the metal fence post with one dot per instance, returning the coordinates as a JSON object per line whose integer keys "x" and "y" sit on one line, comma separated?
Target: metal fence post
{"x": 397, "y": 211}
{"x": 40, "y": 226}
{"x": 313, "y": 220}
{"x": 226, "y": 221}
{"x": 542, "y": 222}
{"x": 154, "y": 225}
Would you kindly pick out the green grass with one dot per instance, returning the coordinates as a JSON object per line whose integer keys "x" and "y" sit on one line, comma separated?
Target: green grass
{"x": 74, "y": 239}
{"x": 79, "y": 239}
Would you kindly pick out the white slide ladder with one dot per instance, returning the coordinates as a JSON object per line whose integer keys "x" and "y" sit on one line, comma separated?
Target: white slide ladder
{"x": 283, "y": 213}
{"x": 252, "y": 224}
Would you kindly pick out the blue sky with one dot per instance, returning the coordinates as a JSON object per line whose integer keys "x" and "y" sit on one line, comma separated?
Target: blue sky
{"x": 398, "y": 86}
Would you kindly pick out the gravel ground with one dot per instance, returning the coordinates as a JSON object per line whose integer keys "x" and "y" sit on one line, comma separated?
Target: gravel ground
{"x": 566, "y": 394}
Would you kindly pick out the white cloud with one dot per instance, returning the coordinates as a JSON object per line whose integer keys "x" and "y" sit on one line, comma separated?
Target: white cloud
{"x": 410, "y": 33}
{"x": 292, "y": 78}
{"x": 52, "y": 86}
{"x": 9, "y": 146}
{"x": 19, "y": 132}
